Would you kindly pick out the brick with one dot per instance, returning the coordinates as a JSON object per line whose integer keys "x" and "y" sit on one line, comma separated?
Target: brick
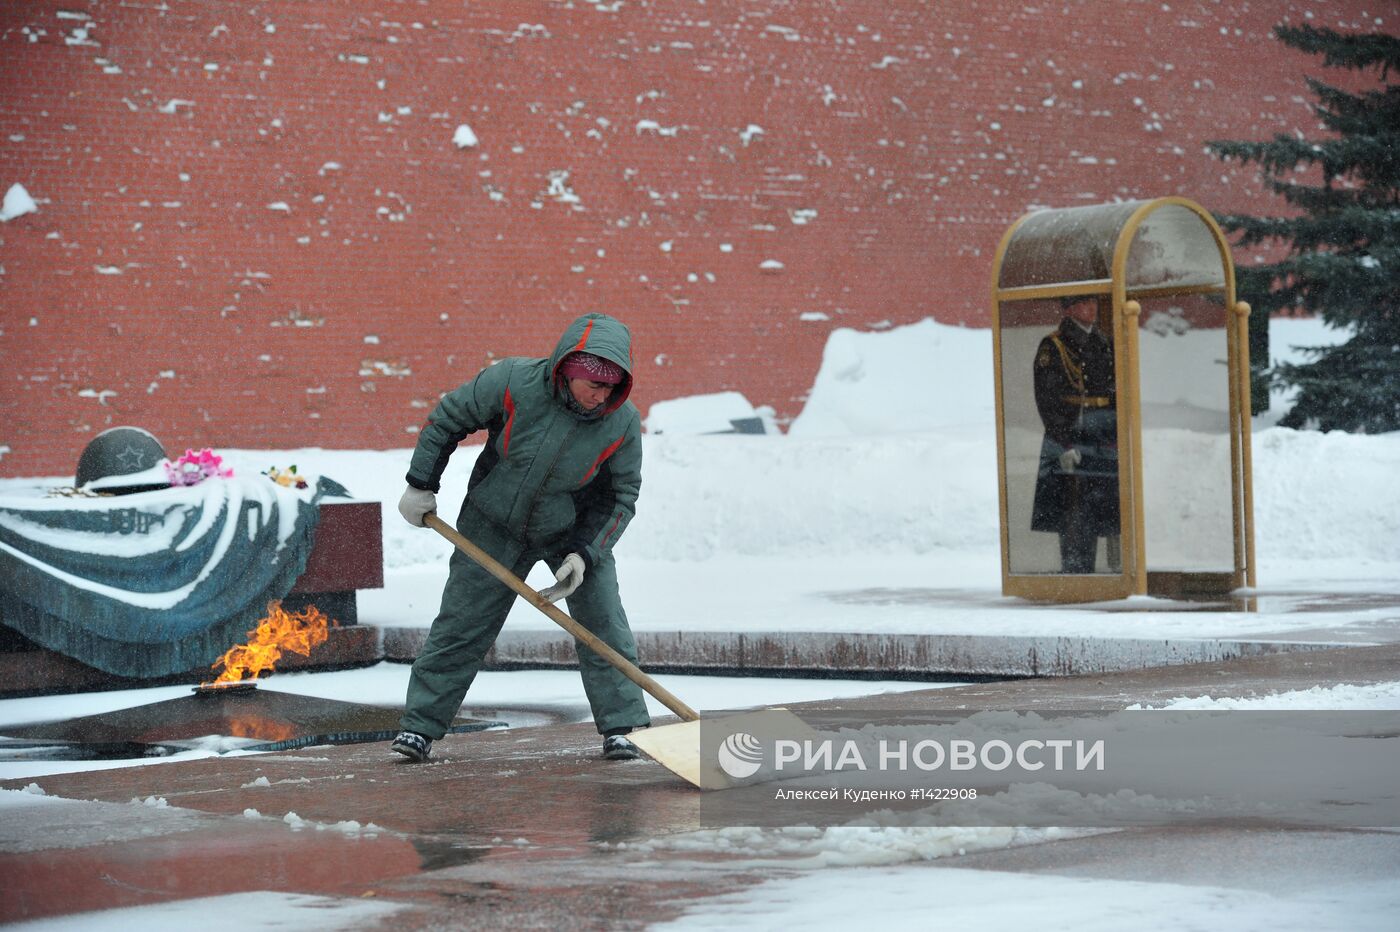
{"x": 917, "y": 133}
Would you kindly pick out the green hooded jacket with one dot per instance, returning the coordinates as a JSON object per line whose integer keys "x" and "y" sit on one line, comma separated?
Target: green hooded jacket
{"x": 551, "y": 477}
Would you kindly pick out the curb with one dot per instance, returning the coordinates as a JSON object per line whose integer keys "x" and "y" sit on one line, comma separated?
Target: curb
{"x": 866, "y": 655}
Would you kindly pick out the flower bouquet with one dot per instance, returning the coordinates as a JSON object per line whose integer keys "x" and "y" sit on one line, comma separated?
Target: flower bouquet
{"x": 193, "y": 468}
{"x": 286, "y": 477}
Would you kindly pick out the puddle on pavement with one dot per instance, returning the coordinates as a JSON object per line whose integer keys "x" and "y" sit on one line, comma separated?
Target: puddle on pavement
{"x": 241, "y": 717}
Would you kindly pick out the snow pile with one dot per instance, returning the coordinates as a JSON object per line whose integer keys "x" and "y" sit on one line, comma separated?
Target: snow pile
{"x": 894, "y": 454}
{"x": 346, "y": 827}
{"x": 1328, "y": 495}
{"x": 1315, "y": 495}
{"x": 870, "y": 842}
{"x": 706, "y": 414}
{"x": 906, "y": 897}
{"x": 352, "y": 827}
{"x": 785, "y": 496}
{"x": 922, "y": 377}
{"x": 32, "y": 794}
{"x": 1382, "y": 696}
{"x": 236, "y": 912}
{"x": 263, "y": 781}
{"x": 806, "y": 847}
{"x": 735, "y": 494}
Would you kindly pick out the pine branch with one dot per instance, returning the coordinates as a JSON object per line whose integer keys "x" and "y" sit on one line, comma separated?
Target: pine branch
{"x": 1346, "y": 113}
{"x": 1375, "y": 159}
{"x": 1323, "y": 199}
{"x": 1348, "y": 227}
{"x": 1348, "y": 289}
{"x": 1349, "y": 387}
{"x": 1255, "y": 285}
{"x": 1344, "y": 50}
{"x": 1358, "y": 291}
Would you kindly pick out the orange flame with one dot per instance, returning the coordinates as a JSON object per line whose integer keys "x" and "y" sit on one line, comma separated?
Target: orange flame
{"x": 264, "y": 729}
{"x": 280, "y": 631}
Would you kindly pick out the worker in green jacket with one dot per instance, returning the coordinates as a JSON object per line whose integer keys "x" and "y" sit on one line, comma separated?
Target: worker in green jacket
{"x": 557, "y": 481}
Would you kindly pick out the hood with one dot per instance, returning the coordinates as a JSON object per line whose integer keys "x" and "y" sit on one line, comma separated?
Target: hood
{"x": 603, "y": 336}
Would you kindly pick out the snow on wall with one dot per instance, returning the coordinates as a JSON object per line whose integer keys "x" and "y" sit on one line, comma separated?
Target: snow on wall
{"x": 263, "y": 226}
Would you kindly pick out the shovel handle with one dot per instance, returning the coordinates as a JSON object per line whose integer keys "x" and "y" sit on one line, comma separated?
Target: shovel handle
{"x": 628, "y": 668}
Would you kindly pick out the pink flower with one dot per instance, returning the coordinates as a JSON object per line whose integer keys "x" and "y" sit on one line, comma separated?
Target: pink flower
{"x": 193, "y": 468}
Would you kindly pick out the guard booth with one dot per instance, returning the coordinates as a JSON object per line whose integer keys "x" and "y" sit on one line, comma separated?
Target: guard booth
{"x": 1122, "y": 390}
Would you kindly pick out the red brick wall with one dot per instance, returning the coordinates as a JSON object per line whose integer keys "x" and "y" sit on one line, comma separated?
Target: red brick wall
{"x": 155, "y": 285}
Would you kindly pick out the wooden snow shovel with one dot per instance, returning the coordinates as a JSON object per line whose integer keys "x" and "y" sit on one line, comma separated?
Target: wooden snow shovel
{"x": 675, "y": 747}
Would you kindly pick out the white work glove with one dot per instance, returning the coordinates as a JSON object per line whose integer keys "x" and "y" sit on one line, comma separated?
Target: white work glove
{"x": 415, "y": 504}
{"x": 569, "y": 576}
{"x": 1070, "y": 459}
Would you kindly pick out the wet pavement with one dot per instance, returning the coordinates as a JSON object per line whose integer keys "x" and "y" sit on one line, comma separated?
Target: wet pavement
{"x": 530, "y": 828}
{"x": 246, "y": 717}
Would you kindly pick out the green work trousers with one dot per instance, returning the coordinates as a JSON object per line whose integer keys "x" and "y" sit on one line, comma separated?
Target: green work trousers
{"x": 474, "y": 607}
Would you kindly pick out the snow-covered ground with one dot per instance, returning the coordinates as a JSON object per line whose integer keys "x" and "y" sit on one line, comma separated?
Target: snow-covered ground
{"x": 1345, "y": 696}
{"x": 237, "y": 912}
{"x": 916, "y": 897}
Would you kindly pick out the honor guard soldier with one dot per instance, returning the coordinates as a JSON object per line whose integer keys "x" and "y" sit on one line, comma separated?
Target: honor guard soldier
{"x": 1076, "y": 489}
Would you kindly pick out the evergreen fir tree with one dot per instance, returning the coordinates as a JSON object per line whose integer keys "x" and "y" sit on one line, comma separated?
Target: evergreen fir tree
{"x": 1343, "y": 259}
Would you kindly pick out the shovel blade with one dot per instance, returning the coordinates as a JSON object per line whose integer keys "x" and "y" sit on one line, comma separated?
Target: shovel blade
{"x": 679, "y": 747}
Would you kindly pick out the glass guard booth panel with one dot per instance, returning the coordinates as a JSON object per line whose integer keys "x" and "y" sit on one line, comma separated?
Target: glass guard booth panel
{"x": 1059, "y": 247}
{"x": 1176, "y": 272}
{"x": 1059, "y": 424}
{"x": 1187, "y": 466}
{"x": 1173, "y": 248}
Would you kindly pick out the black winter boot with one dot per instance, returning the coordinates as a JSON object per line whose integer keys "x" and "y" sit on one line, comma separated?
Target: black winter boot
{"x": 619, "y": 747}
{"x": 413, "y": 746}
